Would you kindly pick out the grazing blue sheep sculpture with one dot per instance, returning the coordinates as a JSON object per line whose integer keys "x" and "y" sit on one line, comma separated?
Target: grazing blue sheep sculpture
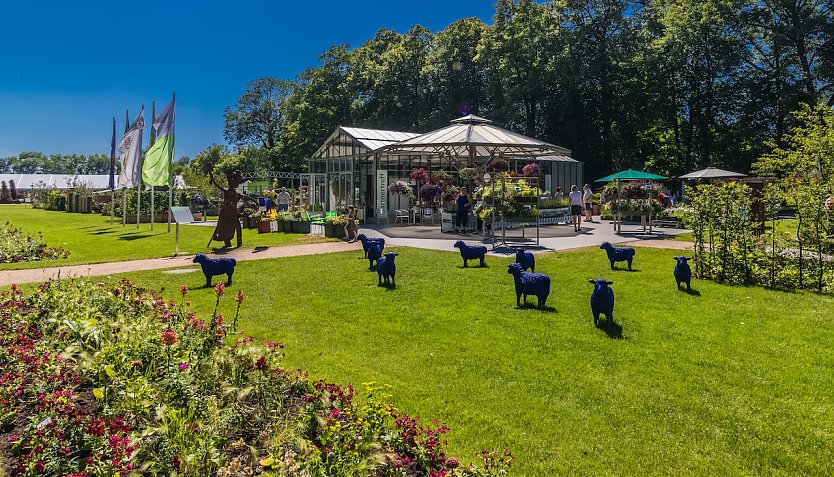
{"x": 683, "y": 273}
{"x": 525, "y": 259}
{"x": 602, "y": 300}
{"x": 374, "y": 254}
{"x": 366, "y": 242}
{"x": 618, "y": 254}
{"x": 527, "y": 283}
{"x": 471, "y": 252}
{"x": 216, "y": 266}
{"x": 385, "y": 267}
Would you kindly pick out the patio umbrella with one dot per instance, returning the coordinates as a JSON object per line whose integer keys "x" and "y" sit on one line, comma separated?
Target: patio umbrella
{"x": 628, "y": 175}
{"x": 712, "y": 173}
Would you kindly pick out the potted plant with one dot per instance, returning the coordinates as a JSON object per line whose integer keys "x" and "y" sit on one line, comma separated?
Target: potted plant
{"x": 334, "y": 227}
{"x": 468, "y": 173}
{"x": 300, "y": 223}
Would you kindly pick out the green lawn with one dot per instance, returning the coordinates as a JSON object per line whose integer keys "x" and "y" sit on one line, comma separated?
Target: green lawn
{"x": 728, "y": 381}
{"x": 91, "y": 238}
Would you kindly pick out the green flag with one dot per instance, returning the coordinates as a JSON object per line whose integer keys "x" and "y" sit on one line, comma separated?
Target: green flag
{"x": 159, "y": 160}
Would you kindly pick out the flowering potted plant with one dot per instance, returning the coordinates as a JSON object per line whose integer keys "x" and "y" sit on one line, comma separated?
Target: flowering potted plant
{"x": 420, "y": 176}
{"x": 334, "y": 227}
{"x": 402, "y": 188}
{"x": 299, "y": 223}
{"x": 531, "y": 170}
{"x": 268, "y": 218}
{"x": 468, "y": 173}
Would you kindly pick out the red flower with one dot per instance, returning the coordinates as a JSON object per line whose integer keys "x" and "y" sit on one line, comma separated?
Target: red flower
{"x": 219, "y": 289}
{"x": 261, "y": 363}
{"x": 169, "y": 337}
{"x": 183, "y": 290}
{"x": 239, "y": 297}
{"x": 176, "y": 462}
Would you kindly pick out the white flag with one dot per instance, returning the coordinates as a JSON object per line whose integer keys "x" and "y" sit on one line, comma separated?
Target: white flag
{"x": 130, "y": 153}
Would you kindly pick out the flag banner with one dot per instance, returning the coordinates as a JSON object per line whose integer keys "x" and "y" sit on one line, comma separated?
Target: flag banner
{"x": 111, "y": 183}
{"x": 156, "y": 169}
{"x": 130, "y": 153}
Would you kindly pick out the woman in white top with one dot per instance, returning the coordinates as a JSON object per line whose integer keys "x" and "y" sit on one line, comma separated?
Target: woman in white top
{"x": 587, "y": 199}
{"x": 575, "y": 207}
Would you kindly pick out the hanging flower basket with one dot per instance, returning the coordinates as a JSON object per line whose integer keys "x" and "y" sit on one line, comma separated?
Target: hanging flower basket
{"x": 468, "y": 173}
{"x": 402, "y": 188}
{"x": 531, "y": 170}
{"x": 419, "y": 176}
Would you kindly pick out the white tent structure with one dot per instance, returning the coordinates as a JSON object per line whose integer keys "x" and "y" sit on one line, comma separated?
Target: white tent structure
{"x": 25, "y": 182}
{"x": 712, "y": 173}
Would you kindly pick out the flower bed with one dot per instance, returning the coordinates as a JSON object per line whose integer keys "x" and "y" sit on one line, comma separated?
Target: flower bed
{"x": 111, "y": 379}
{"x": 17, "y": 246}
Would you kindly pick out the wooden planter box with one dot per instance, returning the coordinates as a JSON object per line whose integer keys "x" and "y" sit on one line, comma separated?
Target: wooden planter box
{"x": 300, "y": 226}
{"x": 334, "y": 231}
{"x": 263, "y": 227}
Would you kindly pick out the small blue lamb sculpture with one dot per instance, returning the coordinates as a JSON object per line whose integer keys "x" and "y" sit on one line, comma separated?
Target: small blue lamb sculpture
{"x": 216, "y": 266}
{"x": 525, "y": 259}
{"x": 374, "y": 254}
{"x": 471, "y": 252}
{"x": 602, "y": 300}
{"x": 385, "y": 267}
{"x": 527, "y": 283}
{"x": 618, "y": 254}
{"x": 683, "y": 273}
{"x": 366, "y": 242}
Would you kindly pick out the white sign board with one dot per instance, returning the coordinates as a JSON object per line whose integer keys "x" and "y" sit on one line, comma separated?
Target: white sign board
{"x": 182, "y": 215}
{"x": 548, "y": 182}
{"x": 381, "y": 189}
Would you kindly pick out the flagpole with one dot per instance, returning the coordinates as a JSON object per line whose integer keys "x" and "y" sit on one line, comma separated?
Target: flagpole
{"x": 139, "y": 187}
{"x": 153, "y": 120}
{"x": 124, "y": 190}
{"x": 112, "y": 172}
{"x": 171, "y": 160}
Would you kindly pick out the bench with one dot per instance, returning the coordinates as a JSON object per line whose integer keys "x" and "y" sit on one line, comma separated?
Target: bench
{"x": 666, "y": 223}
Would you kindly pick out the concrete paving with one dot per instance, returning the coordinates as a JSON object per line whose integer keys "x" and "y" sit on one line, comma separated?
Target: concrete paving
{"x": 563, "y": 238}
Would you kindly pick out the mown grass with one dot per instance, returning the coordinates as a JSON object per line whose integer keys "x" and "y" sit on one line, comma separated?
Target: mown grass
{"x": 91, "y": 238}
{"x": 723, "y": 381}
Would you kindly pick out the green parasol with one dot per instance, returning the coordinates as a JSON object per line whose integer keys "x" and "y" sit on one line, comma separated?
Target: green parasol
{"x": 630, "y": 175}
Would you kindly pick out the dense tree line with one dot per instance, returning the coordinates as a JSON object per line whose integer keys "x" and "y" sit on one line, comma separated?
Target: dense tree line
{"x": 672, "y": 85}
{"x": 39, "y": 163}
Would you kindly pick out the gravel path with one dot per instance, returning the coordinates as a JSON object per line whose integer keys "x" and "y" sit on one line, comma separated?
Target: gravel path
{"x": 8, "y": 277}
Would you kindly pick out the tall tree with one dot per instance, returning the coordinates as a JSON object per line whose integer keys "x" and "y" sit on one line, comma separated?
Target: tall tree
{"x": 259, "y": 117}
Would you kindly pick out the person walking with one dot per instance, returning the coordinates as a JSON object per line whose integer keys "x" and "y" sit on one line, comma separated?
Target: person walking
{"x": 587, "y": 199}
{"x": 575, "y": 207}
{"x": 352, "y": 227}
{"x": 284, "y": 200}
{"x": 462, "y": 217}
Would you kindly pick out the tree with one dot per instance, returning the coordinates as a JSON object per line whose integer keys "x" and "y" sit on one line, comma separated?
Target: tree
{"x": 12, "y": 190}
{"x": 259, "y": 117}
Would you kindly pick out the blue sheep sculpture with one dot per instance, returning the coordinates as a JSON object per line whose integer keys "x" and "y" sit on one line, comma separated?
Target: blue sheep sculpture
{"x": 525, "y": 259}
{"x": 374, "y": 254}
{"x": 471, "y": 252}
{"x": 216, "y": 266}
{"x": 602, "y": 300}
{"x": 385, "y": 267}
{"x": 618, "y": 254}
{"x": 366, "y": 243}
{"x": 683, "y": 273}
{"x": 527, "y": 283}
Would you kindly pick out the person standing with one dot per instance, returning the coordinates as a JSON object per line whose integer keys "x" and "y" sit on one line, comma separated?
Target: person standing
{"x": 587, "y": 199}
{"x": 575, "y": 207}
{"x": 462, "y": 217}
{"x": 352, "y": 227}
{"x": 284, "y": 200}
{"x": 559, "y": 195}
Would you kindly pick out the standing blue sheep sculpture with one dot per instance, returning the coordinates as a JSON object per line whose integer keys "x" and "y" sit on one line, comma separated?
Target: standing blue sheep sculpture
{"x": 471, "y": 252}
{"x": 683, "y": 273}
{"x": 525, "y": 259}
{"x": 602, "y": 300}
{"x": 385, "y": 267}
{"x": 366, "y": 242}
{"x": 618, "y": 254}
{"x": 527, "y": 283}
{"x": 374, "y": 254}
{"x": 215, "y": 266}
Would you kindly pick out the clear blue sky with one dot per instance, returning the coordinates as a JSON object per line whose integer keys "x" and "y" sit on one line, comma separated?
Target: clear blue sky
{"x": 68, "y": 67}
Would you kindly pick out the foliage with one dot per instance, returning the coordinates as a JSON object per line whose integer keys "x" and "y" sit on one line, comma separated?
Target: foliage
{"x": 39, "y": 163}
{"x": 468, "y": 173}
{"x": 160, "y": 201}
{"x": 103, "y": 378}
{"x": 431, "y": 191}
{"x": 531, "y": 170}
{"x": 442, "y": 176}
{"x": 17, "y": 246}
{"x": 55, "y": 200}
{"x": 337, "y": 220}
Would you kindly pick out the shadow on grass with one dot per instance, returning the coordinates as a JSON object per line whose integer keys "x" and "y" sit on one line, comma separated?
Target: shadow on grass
{"x": 102, "y": 232}
{"x": 134, "y": 237}
{"x": 533, "y": 306}
{"x": 387, "y": 286}
{"x": 473, "y": 266}
{"x": 611, "y": 328}
{"x": 691, "y": 291}
{"x": 617, "y": 269}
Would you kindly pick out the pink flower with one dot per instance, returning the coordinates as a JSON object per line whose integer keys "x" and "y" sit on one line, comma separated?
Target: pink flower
{"x": 219, "y": 289}
{"x": 239, "y": 297}
{"x": 183, "y": 290}
{"x": 169, "y": 337}
{"x": 182, "y": 366}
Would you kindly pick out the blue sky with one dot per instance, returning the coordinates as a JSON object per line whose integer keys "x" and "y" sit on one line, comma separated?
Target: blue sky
{"x": 69, "y": 66}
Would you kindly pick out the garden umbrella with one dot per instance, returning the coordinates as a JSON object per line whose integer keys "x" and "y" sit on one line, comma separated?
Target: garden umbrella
{"x": 712, "y": 173}
{"x": 628, "y": 175}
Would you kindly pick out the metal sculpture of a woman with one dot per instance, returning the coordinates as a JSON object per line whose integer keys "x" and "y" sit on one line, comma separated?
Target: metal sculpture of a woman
{"x": 228, "y": 223}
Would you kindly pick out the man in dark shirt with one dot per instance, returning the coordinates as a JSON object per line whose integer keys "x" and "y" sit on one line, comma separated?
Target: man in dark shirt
{"x": 462, "y": 217}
